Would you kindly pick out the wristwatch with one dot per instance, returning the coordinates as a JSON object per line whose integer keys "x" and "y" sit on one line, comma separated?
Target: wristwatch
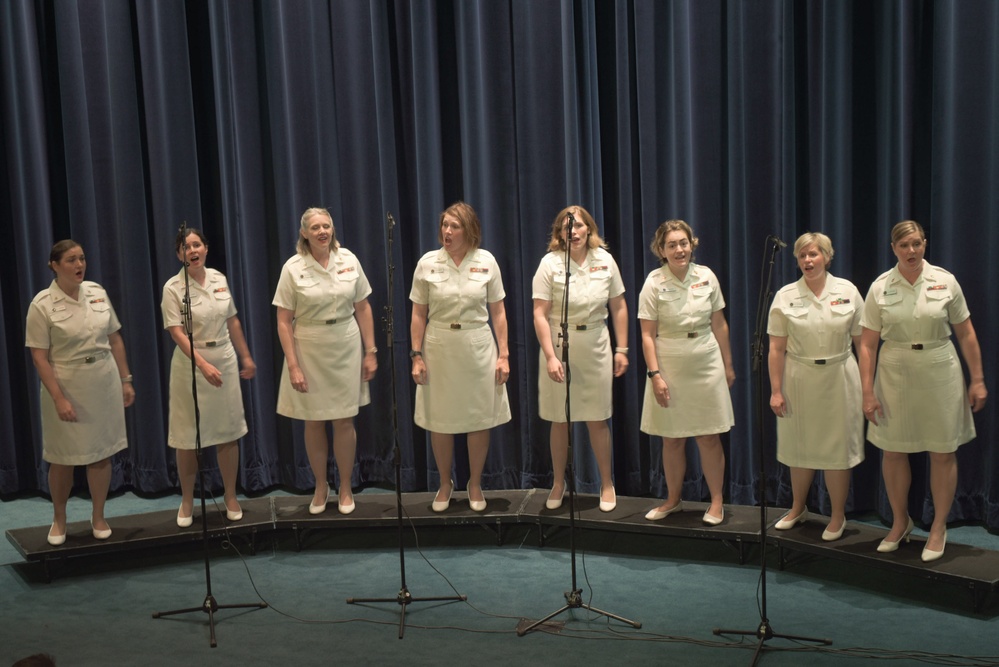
{"x": 371, "y": 350}
{"x": 652, "y": 374}
{"x": 415, "y": 353}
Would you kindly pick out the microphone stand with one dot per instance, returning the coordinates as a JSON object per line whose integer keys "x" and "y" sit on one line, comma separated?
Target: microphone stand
{"x": 209, "y": 606}
{"x": 764, "y": 631}
{"x": 403, "y": 597}
{"x": 574, "y": 596}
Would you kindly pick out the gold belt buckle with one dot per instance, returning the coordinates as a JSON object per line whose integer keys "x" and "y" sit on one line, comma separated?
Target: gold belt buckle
{"x": 691, "y": 334}
{"x": 211, "y": 343}
{"x": 455, "y": 325}
{"x": 820, "y": 362}
{"x": 580, "y": 327}
{"x": 330, "y": 322}
{"x": 90, "y": 360}
{"x": 917, "y": 346}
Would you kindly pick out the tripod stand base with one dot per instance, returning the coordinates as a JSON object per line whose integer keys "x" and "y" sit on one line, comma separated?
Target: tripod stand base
{"x": 764, "y": 633}
{"x": 404, "y": 598}
{"x": 574, "y": 600}
{"x": 210, "y": 606}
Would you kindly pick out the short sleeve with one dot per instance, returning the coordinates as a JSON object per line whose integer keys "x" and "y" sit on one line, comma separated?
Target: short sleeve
{"x": 541, "y": 286}
{"x": 871, "y": 316}
{"x": 495, "y": 291}
{"x": 170, "y": 307}
{"x": 420, "y": 292}
{"x": 37, "y": 328}
{"x": 363, "y": 288}
{"x": 647, "y": 307}
{"x": 285, "y": 295}
{"x": 957, "y": 309}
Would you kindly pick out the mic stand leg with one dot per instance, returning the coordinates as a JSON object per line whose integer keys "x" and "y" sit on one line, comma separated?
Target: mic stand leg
{"x": 403, "y": 598}
{"x": 764, "y": 632}
{"x": 574, "y": 596}
{"x": 210, "y": 605}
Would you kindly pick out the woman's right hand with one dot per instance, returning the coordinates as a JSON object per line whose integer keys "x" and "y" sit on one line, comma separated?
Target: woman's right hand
{"x": 872, "y": 408}
{"x": 778, "y": 404}
{"x": 555, "y": 369}
{"x": 661, "y": 391}
{"x": 212, "y": 374}
{"x": 419, "y": 371}
{"x": 298, "y": 381}
{"x": 65, "y": 410}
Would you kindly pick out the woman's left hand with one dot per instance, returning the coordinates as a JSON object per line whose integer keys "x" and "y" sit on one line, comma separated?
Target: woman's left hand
{"x": 369, "y": 366}
{"x": 977, "y": 393}
{"x": 620, "y": 364}
{"x": 249, "y": 369}
{"x": 730, "y": 376}
{"x": 128, "y": 393}
{"x": 502, "y": 370}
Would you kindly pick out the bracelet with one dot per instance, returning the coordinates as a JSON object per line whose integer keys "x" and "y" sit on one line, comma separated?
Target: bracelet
{"x": 620, "y": 350}
{"x": 371, "y": 350}
{"x": 126, "y": 378}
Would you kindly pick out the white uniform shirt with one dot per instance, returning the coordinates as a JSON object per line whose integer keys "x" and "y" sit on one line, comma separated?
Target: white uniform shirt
{"x": 680, "y": 305}
{"x": 918, "y": 313}
{"x": 457, "y": 294}
{"x": 816, "y": 327}
{"x": 315, "y": 293}
{"x": 211, "y": 306}
{"x": 591, "y": 284}
{"x": 71, "y": 330}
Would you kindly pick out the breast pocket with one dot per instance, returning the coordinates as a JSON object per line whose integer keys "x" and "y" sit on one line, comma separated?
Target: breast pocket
{"x": 893, "y": 309}
{"x": 670, "y": 303}
{"x": 937, "y": 302}
{"x": 477, "y": 284}
{"x": 700, "y": 301}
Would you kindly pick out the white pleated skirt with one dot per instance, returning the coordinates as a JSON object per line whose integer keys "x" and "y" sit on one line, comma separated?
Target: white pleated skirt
{"x": 99, "y": 430}
{"x": 924, "y": 399}
{"x": 461, "y": 394}
{"x": 330, "y": 357}
{"x": 700, "y": 403}
{"x": 591, "y": 366}
{"x": 222, "y": 418}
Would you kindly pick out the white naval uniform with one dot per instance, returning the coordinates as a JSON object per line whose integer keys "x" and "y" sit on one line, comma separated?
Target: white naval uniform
{"x": 919, "y": 380}
{"x": 461, "y": 394}
{"x": 689, "y": 357}
{"x": 823, "y": 428}
{"x": 591, "y": 363}
{"x": 75, "y": 333}
{"x": 327, "y": 339}
{"x": 221, "y": 408}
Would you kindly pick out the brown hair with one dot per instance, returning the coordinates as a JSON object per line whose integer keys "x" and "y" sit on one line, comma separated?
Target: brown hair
{"x": 904, "y": 228}
{"x": 672, "y": 226}
{"x": 558, "y": 243}
{"x": 60, "y": 249}
{"x": 468, "y": 220}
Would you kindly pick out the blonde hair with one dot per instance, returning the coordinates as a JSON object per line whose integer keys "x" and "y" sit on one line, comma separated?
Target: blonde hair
{"x": 823, "y": 242}
{"x": 556, "y": 242}
{"x": 303, "y": 243}
{"x": 672, "y": 226}
{"x": 904, "y": 228}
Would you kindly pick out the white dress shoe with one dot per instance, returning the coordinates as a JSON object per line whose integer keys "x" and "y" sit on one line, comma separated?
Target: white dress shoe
{"x": 609, "y": 505}
{"x": 442, "y": 505}
{"x": 713, "y": 520}
{"x": 184, "y": 521}
{"x": 319, "y": 509}
{"x": 554, "y": 503}
{"x": 887, "y": 547}
{"x": 55, "y": 540}
{"x": 928, "y": 555}
{"x": 786, "y": 523}
{"x": 656, "y": 514}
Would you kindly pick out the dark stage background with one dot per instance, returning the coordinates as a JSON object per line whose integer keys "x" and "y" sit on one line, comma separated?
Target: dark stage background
{"x": 120, "y": 119}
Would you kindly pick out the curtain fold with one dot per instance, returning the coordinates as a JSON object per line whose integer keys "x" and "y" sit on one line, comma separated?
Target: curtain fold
{"x": 122, "y": 120}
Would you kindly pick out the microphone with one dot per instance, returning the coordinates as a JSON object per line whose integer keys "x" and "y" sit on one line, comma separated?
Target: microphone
{"x": 182, "y": 232}
{"x": 390, "y": 219}
{"x": 778, "y": 241}
{"x": 569, "y": 219}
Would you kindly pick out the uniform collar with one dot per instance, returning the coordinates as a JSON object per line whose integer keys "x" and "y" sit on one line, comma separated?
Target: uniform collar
{"x": 693, "y": 273}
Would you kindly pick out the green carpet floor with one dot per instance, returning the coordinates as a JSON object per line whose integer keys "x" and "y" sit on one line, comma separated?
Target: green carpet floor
{"x": 98, "y": 611}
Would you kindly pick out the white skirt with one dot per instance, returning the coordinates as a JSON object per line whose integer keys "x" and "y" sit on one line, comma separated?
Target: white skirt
{"x": 591, "y": 366}
{"x": 99, "y": 430}
{"x": 824, "y": 426}
{"x": 700, "y": 403}
{"x": 330, "y": 356}
{"x": 461, "y": 394}
{"x": 221, "y": 408}
{"x": 924, "y": 399}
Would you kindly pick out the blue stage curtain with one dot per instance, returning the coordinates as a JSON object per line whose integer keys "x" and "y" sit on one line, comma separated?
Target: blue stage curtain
{"x": 121, "y": 120}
